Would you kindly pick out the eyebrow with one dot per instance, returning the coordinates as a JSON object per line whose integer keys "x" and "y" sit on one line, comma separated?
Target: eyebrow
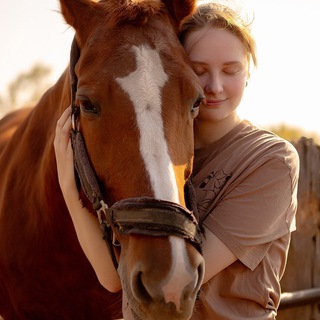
{"x": 225, "y": 64}
{"x": 232, "y": 62}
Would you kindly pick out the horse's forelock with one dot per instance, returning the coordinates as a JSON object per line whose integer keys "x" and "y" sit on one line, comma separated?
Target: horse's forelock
{"x": 136, "y": 12}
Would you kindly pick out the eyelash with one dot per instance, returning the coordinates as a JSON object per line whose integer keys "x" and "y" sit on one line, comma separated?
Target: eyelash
{"x": 231, "y": 72}
{"x": 200, "y": 72}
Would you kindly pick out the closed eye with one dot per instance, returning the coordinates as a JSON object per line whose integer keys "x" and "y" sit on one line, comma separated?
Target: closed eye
{"x": 231, "y": 71}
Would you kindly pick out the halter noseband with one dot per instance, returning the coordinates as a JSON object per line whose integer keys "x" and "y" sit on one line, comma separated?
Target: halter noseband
{"x": 146, "y": 216}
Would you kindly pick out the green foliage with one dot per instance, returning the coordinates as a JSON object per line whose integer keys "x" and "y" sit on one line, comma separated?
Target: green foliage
{"x": 29, "y": 85}
{"x": 26, "y": 89}
{"x": 292, "y": 133}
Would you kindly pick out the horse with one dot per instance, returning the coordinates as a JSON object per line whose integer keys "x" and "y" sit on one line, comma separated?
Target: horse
{"x": 9, "y": 124}
{"x": 134, "y": 97}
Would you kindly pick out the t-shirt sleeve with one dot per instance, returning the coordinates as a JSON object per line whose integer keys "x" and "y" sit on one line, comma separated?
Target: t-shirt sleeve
{"x": 256, "y": 211}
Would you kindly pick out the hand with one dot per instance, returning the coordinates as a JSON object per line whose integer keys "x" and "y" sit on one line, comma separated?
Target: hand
{"x": 64, "y": 155}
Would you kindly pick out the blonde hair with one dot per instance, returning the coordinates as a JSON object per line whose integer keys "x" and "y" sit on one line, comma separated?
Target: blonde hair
{"x": 220, "y": 16}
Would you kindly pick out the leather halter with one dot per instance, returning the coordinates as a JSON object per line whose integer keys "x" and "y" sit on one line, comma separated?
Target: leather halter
{"x": 146, "y": 216}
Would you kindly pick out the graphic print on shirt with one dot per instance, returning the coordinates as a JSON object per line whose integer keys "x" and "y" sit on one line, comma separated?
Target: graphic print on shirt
{"x": 211, "y": 186}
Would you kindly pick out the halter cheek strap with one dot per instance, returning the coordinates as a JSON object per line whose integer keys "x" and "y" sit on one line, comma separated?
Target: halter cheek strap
{"x": 87, "y": 179}
{"x": 74, "y": 57}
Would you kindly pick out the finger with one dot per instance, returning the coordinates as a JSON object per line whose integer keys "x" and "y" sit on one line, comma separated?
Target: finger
{"x": 65, "y": 130}
{"x": 62, "y": 120}
{"x": 63, "y": 127}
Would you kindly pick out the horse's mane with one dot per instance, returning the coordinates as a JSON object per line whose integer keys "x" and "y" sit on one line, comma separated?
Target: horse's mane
{"x": 136, "y": 12}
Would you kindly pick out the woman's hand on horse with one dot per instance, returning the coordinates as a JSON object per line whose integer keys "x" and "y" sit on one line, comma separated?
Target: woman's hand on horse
{"x": 64, "y": 155}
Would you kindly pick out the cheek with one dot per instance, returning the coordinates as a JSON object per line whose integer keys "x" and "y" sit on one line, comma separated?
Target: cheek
{"x": 235, "y": 88}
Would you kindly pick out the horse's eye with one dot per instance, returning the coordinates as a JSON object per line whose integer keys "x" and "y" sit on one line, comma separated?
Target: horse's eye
{"x": 87, "y": 106}
{"x": 195, "y": 107}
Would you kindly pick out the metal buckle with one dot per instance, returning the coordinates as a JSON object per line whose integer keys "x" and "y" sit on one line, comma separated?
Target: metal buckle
{"x": 103, "y": 211}
{"x": 73, "y": 122}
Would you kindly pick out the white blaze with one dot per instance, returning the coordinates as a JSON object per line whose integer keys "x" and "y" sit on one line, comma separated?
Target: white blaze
{"x": 179, "y": 276}
{"x": 144, "y": 87}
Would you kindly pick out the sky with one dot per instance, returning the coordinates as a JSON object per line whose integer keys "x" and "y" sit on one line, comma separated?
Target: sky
{"x": 283, "y": 89}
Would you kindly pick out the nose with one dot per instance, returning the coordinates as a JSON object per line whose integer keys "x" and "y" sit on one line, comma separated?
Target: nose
{"x": 178, "y": 287}
{"x": 214, "y": 84}
{"x": 185, "y": 276}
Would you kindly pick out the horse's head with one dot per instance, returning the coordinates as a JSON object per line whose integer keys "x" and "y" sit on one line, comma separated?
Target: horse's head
{"x": 137, "y": 96}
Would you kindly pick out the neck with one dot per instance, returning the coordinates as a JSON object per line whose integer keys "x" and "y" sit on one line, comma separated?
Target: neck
{"x": 206, "y": 132}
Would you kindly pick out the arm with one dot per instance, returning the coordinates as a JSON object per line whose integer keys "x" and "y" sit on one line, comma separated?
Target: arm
{"x": 267, "y": 198}
{"x": 86, "y": 225}
{"x": 217, "y": 255}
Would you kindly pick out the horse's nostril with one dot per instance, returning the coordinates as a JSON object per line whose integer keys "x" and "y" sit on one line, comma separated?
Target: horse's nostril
{"x": 193, "y": 290}
{"x": 201, "y": 270}
{"x": 139, "y": 290}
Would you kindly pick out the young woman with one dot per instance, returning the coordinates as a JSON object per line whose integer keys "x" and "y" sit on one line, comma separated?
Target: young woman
{"x": 245, "y": 177}
{"x": 245, "y": 180}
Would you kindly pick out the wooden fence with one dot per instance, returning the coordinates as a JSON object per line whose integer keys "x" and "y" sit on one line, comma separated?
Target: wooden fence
{"x": 301, "y": 281}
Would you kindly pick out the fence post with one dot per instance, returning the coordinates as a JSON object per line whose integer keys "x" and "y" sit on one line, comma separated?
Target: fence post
{"x": 303, "y": 267}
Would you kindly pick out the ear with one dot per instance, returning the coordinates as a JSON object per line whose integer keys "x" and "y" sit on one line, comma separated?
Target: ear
{"x": 179, "y": 9}
{"x": 77, "y": 13}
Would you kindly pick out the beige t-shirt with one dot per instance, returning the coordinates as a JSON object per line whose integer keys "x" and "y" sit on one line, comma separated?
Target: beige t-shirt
{"x": 246, "y": 187}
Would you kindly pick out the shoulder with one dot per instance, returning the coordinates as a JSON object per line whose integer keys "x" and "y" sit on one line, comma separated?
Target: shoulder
{"x": 264, "y": 144}
{"x": 245, "y": 153}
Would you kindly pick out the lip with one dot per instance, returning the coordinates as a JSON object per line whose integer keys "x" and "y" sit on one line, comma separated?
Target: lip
{"x": 214, "y": 102}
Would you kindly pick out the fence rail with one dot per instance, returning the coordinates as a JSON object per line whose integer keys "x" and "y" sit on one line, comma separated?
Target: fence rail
{"x": 299, "y": 298}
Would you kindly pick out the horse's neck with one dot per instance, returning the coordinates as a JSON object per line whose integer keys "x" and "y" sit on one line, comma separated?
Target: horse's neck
{"x": 30, "y": 153}
{"x": 31, "y": 146}
{"x": 42, "y": 121}
{"x": 49, "y": 108}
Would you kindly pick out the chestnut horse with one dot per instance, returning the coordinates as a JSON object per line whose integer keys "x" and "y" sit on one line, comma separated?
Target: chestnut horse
{"x": 135, "y": 97}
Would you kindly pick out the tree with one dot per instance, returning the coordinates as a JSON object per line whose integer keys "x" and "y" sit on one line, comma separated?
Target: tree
{"x": 292, "y": 133}
{"x": 27, "y": 88}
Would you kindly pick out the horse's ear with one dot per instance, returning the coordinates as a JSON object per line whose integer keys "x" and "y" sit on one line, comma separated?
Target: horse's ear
{"x": 77, "y": 12}
{"x": 179, "y": 9}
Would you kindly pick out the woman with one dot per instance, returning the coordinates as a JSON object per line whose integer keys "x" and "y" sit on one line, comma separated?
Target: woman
{"x": 245, "y": 179}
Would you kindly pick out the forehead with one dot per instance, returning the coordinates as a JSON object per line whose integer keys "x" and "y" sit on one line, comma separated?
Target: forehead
{"x": 213, "y": 45}
{"x": 140, "y": 22}
{"x": 111, "y": 52}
